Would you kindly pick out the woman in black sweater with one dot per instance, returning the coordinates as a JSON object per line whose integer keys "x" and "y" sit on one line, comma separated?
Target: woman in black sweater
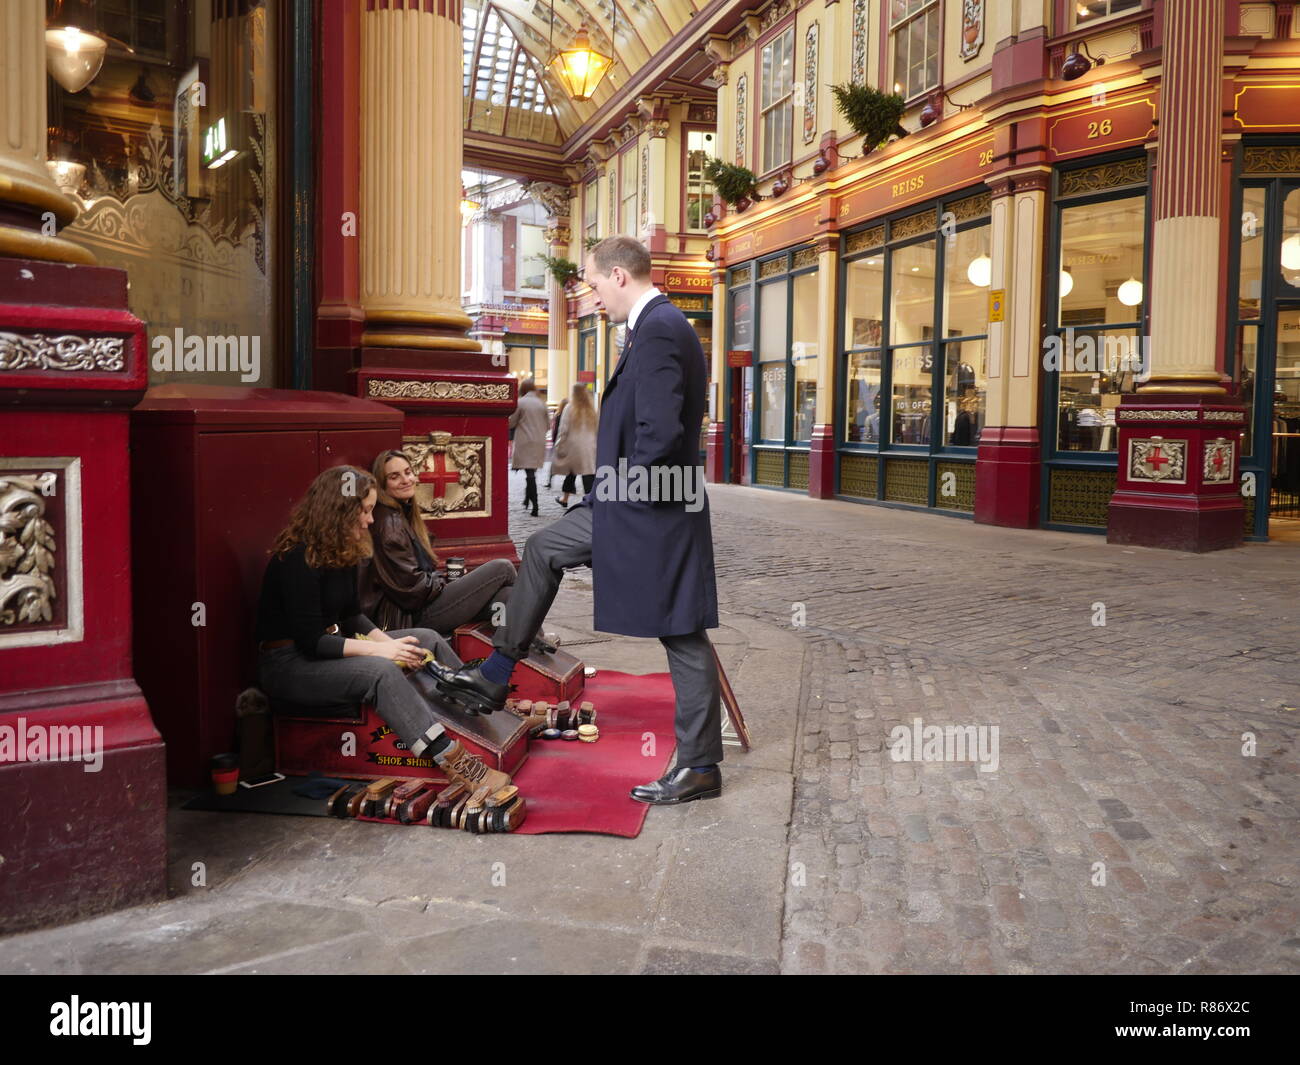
{"x": 309, "y": 609}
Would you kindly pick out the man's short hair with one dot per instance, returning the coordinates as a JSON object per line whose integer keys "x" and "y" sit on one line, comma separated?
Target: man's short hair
{"x": 627, "y": 252}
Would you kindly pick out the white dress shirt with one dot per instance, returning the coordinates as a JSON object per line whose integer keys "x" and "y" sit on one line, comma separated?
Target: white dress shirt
{"x": 639, "y": 306}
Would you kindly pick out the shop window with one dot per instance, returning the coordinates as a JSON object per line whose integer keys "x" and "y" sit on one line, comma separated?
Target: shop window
{"x": 915, "y": 327}
{"x": 590, "y": 209}
{"x": 1250, "y": 290}
{"x": 170, "y": 152}
{"x": 966, "y": 277}
{"x": 863, "y": 321}
{"x": 1086, "y": 12}
{"x": 699, "y": 191}
{"x": 804, "y": 354}
{"x": 627, "y": 224}
{"x": 1096, "y": 345}
{"x": 911, "y": 338}
{"x": 531, "y": 248}
{"x": 915, "y": 27}
{"x": 777, "y": 119}
{"x": 773, "y": 300}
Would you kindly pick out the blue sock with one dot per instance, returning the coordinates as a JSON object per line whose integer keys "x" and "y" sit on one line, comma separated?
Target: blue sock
{"x": 497, "y": 668}
{"x": 703, "y": 768}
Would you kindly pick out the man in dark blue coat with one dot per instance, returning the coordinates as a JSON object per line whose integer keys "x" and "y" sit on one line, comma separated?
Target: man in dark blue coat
{"x": 644, "y": 528}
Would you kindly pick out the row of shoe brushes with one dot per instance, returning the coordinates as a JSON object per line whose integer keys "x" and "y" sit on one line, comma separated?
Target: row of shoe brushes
{"x": 554, "y": 721}
{"x": 410, "y": 802}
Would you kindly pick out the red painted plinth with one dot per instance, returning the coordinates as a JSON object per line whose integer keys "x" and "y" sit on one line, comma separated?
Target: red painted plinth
{"x": 821, "y": 463}
{"x": 81, "y": 764}
{"x": 464, "y": 395}
{"x": 715, "y": 453}
{"x": 216, "y": 471}
{"x": 1178, "y": 479}
{"x": 1007, "y": 469}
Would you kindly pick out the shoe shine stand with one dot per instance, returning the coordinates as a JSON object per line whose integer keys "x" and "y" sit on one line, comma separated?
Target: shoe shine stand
{"x": 346, "y": 740}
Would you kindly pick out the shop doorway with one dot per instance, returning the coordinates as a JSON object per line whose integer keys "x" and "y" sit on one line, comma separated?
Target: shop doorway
{"x": 1266, "y": 362}
{"x": 1283, "y": 425}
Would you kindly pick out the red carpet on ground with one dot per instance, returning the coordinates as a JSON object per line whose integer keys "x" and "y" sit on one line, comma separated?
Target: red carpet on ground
{"x": 583, "y": 787}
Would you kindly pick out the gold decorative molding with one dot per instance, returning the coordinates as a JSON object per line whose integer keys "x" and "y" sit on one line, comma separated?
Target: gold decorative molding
{"x": 805, "y": 257}
{"x": 66, "y": 351}
{"x": 27, "y": 548}
{"x": 1235, "y": 416}
{"x": 1157, "y": 415}
{"x": 458, "y": 471}
{"x": 1271, "y": 161}
{"x": 1104, "y": 177}
{"x": 464, "y": 391}
{"x": 1217, "y": 461}
{"x": 913, "y": 224}
{"x": 1157, "y": 459}
{"x": 864, "y": 240}
{"x": 977, "y": 206}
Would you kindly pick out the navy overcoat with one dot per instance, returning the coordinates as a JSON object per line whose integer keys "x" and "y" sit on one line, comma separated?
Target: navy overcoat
{"x": 652, "y": 562}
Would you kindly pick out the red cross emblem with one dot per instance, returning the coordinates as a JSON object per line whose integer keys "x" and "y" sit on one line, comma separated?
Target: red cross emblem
{"x": 440, "y": 477}
{"x": 1218, "y": 460}
{"x": 1157, "y": 459}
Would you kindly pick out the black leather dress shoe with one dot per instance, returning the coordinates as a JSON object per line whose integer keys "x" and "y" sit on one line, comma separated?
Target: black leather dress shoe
{"x": 468, "y": 688}
{"x": 680, "y": 785}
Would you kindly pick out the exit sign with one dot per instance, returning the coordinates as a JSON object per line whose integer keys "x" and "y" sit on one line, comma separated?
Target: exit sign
{"x": 216, "y": 145}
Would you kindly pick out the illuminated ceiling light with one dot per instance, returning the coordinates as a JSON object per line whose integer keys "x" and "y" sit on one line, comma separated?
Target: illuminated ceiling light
{"x": 73, "y": 56}
{"x": 467, "y": 208}
{"x": 1067, "y": 283}
{"x": 1130, "y": 293}
{"x": 980, "y": 271}
{"x": 580, "y": 68}
{"x": 1291, "y": 253}
{"x": 66, "y": 174}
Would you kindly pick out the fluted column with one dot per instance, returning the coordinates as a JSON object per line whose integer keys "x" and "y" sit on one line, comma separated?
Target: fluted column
{"x": 1185, "y": 203}
{"x": 821, "y": 456}
{"x": 31, "y": 206}
{"x": 411, "y": 146}
{"x": 1008, "y": 463}
{"x": 557, "y": 341}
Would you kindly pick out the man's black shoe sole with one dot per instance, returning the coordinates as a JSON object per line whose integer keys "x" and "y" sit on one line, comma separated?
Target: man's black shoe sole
{"x": 470, "y": 702}
{"x": 715, "y": 793}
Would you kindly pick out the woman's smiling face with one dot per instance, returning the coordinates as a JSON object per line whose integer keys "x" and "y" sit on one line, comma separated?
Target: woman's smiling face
{"x": 400, "y": 479}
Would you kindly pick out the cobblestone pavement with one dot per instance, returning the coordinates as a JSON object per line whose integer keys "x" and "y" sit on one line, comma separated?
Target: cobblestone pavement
{"x": 1124, "y": 829}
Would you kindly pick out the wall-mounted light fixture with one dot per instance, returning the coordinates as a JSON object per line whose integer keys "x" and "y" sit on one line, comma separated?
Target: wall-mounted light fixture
{"x": 1077, "y": 63}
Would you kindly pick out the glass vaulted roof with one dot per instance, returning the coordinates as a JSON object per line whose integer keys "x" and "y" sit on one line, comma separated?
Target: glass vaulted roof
{"x": 508, "y": 91}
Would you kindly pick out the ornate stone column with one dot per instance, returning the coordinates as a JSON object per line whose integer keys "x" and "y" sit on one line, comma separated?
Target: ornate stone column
{"x": 32, "y": 208}
{"x": 821, "y": 455}
{"x": 411, "y": 136}
{"x": 1009, "y": 460}
{"x": 415, "y": 351}
{"x": 1179, "y": 436}
{"x": 559, "y": 235}
{"x": 558, "y": 376}
{"x": 654, "y": 175}
{"x": 715, "y": 441}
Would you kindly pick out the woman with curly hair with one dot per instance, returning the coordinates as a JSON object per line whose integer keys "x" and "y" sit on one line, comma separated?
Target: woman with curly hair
{"x": 401, "y": 584}
{"x": 309, "y": 606}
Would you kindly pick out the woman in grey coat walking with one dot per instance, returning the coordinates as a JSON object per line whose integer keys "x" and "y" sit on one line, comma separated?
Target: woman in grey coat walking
{"x": 575, "y": 443}
{"x": 529, "y": 422}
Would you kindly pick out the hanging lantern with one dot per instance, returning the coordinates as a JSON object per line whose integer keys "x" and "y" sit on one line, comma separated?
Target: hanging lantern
{"x": 73, "y": 56}
{"x": 580, "y": 68}
{"x": 467, "y": 208}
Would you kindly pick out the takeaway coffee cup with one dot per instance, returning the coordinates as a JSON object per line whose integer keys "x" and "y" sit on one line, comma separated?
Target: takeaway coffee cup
{"x": 225, "y": 773}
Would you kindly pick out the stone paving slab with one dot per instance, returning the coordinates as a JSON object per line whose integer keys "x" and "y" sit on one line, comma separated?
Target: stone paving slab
{"x": 1123, "y": 831}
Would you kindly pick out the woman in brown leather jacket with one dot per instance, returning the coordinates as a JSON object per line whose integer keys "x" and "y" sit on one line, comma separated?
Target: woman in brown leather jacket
{"x": 402, "y": 587}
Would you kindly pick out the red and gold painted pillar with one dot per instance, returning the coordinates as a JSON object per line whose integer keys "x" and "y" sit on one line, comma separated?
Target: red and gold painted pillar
{"x": 415, "y": 350}
{"x": 1009, "y": 459}
{"x": 82, "y": 776}
{"x": 1180, "y": 435}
